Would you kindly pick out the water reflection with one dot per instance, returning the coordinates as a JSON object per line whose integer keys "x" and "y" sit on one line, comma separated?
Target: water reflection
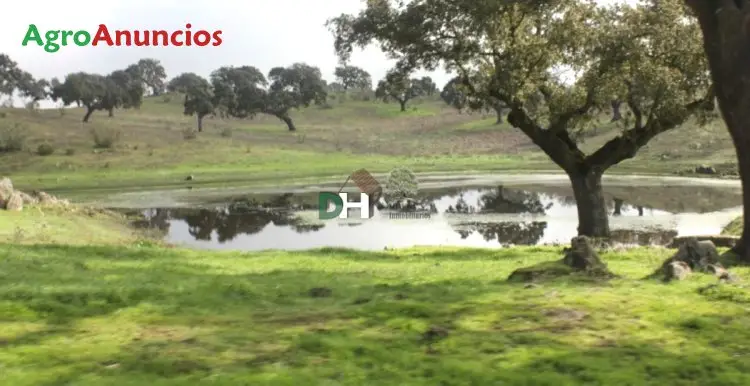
{"x": 464, "y": 217}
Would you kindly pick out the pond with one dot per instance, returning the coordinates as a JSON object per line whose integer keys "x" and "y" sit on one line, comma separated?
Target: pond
{"x": 477, "y": 211}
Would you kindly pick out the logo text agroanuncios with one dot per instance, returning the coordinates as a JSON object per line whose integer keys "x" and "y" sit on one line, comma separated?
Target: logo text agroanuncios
{"x": 51, "y": 41}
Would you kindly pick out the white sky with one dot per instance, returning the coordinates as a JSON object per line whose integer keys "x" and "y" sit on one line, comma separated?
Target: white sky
{"x": 261, "y": 33}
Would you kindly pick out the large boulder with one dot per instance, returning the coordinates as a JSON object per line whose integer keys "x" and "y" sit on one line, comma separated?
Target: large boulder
{"x": 692, "y": 256}
{"x": 6, "y": 189}
{"x": 15, "y": 202}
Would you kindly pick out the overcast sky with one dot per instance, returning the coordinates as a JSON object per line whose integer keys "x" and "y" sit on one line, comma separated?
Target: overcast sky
{"x": 261, "y": 33}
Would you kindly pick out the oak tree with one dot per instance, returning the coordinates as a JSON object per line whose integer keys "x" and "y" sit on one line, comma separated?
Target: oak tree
{"x": 399, "y": 87}
{"x": 651, "y": 53}
{"x": 352, "y": 77}
{"x": 199, "y": 95}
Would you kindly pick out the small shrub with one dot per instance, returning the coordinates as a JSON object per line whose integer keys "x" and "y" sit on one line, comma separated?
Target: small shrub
{"x": 189, "y": 133}
{"x": 166, "y": 98}
{"x": 105, "y": 137}
{"x": 70, "y": 151}
{"x": 45, "y": 149}
{"x": 12, "y": 137}
{"x": 226, "y": 133}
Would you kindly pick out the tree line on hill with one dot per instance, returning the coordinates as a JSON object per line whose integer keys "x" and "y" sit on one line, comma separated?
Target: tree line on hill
{"x": 230, "y": 91}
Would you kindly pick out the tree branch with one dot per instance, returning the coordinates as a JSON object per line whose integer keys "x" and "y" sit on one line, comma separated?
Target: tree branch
{"x": 627, "y": 144}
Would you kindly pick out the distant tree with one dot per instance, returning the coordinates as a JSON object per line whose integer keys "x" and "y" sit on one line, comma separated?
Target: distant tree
{"x": 151, "y": 73}
{"x": 399, "y": 87}
{"x": 428, "y": 87}
{"x": 9, "y": 75}
{"x": 97, "y": 92}
{"x": 126, "y": 89}
{"x": 335, "y": 87}
{"x": 352, "y": 77}
{"x": 456, "y": 94}
{"x": 245, "y": 92}
{"x": 199, "y": 95}
{"x": 239, "y": 91}
{"x": 293, "y": 87}
{"x": 622, "y": 49}
{"x": 33, "y": 89}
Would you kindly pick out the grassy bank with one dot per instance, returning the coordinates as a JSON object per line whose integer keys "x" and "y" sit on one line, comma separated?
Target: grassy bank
{"x": 121, "y": 314}
{"x": 154, "y": 147}
{"x": 734, "y": 228}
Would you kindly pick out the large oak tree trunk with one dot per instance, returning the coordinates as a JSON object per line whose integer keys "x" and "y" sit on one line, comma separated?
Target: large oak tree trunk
{"x": 200, "y": 123}
{"x": 403, "y": 104}
{"x": 726, "y": 37}
{"x": 499, "y": 114}
{"x": 288, "y": 120}
{"x": 89, "y": 111}
{"x": 616, "y": 114}
{"x": 592, "y": 208}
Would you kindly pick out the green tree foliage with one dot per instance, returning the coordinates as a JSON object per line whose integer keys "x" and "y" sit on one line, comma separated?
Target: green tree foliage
{"x": 151, "y": 74}
{"x": 199, "y": 95}
{"x": 352, "y": 77}
{"x": 427, "y": 86}
{"x": 650, "y": 53}
{"x": 456, "y": 94}
{"x": 9, "y": 75}
{"x": 399, "y": 87}
{"x": 33, "y": 89}
{"x": 98, "y": 92}
{"x": 244, "y": 92}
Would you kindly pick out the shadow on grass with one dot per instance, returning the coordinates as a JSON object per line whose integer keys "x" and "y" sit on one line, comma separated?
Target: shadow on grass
{"x": 148, "y": 315}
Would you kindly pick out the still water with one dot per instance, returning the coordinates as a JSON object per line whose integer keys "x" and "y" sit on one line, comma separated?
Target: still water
{"x": 479, "y": 216}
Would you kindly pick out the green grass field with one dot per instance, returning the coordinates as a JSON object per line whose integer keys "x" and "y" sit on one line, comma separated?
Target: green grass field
{"x": 97, "y": 309}
{"x": 152, "y": 150}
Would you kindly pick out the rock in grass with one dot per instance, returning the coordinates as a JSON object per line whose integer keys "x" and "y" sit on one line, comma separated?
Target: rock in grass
{"x": 6, "y": 189}
{"x": 676, "y": 270}
{"x": 692, "y": 256}
{"x": 15, "y": 202}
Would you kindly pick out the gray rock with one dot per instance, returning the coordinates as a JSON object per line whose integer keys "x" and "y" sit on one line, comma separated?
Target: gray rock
{"x": 6, "y": 189}
{"x": 15, "y": 202}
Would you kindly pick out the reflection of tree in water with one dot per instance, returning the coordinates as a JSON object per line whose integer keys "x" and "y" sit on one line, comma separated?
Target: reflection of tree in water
{"x": 502, "y": 200}
{"x": 506, "y": 232}
{"x": 155, "y": 219}
{"x": 643, "y": 237}
{"x": 239, "y": 217}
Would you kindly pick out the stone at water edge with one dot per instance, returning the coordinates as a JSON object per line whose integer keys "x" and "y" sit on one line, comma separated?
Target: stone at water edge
{"x": 15, "y": 202}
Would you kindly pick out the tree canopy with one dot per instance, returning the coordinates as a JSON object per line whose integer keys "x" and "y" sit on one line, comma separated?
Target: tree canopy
{"x": 553, "y": 66}
{"x": 151, "y": 74}
{"x": 398, "y": 86}
{"x": 352, "y": 77}
{"x": 120, "y": 89}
